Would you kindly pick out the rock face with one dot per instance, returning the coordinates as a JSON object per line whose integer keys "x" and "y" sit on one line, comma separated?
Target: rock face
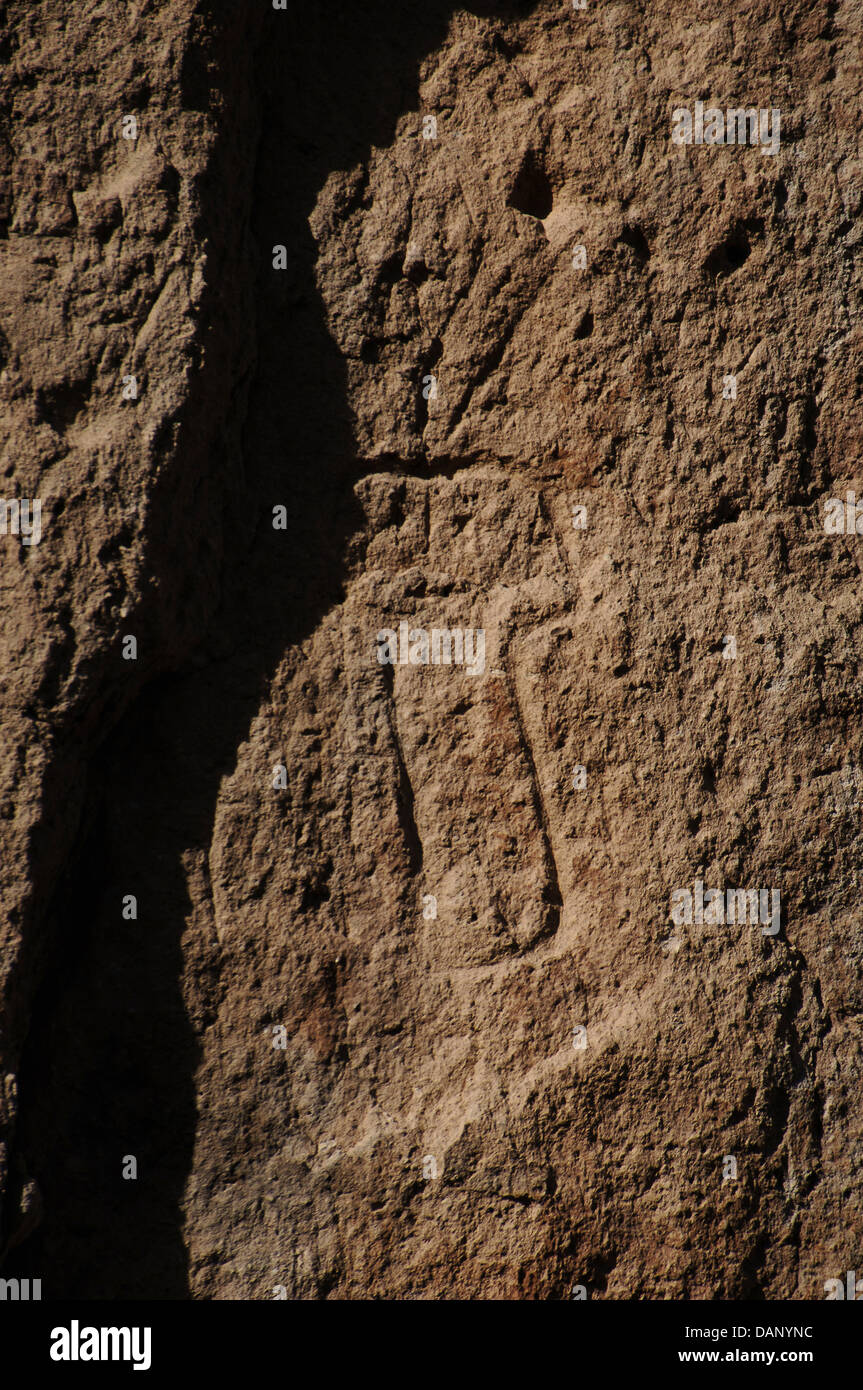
{"x": 403, "y": 978}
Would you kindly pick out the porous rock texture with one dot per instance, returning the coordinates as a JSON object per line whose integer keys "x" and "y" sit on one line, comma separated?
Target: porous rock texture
{"x": 403, "y": 1011}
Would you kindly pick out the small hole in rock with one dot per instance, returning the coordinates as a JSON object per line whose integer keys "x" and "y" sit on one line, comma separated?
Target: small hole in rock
{"x": 728, "y": 256}
{"x": 390, "y": 270}
{"x": 531, "y": 193}
{"x": 634, "y": 237}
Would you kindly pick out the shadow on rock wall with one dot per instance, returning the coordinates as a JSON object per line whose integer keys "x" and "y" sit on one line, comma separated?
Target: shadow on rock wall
{"x": 109, "y": 1068}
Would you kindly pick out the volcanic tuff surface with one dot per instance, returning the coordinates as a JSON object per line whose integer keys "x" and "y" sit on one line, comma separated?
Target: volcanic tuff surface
{"x": 422, "y": 1037}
